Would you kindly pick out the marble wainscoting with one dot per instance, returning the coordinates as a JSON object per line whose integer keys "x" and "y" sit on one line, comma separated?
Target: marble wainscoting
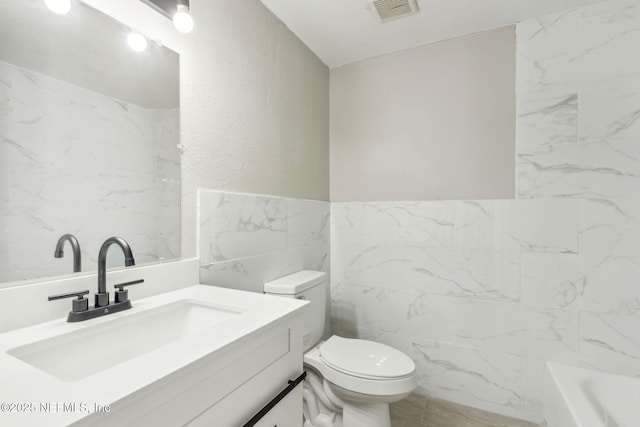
{"x": 246, "y": 240}
{"x": 76, "y": 161}
{"x": 481, "y": 293}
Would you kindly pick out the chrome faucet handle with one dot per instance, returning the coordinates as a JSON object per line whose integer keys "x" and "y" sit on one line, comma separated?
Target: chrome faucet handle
{"x": 122, "y": 294}
{"x": 78, "y": 305}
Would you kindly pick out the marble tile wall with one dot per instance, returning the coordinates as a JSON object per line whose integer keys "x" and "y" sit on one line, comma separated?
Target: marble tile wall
{"x": 482, "y": 293}
{"x": 441, "y": 281}
{"x": 246, "y": 240}
{"x": 577, "y": 92}
{"x": 113, "y": 169}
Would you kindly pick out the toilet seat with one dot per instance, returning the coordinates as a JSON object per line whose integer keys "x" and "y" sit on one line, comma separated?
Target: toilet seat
{"x": 365, "y": 359}
{"x": 359, "y": 383}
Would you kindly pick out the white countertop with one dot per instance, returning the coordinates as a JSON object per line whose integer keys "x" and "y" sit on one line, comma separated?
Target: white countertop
{"x": 36, "y": 395}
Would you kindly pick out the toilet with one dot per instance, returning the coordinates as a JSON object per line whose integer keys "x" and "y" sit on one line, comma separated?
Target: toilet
{"x": 350, "y": 382}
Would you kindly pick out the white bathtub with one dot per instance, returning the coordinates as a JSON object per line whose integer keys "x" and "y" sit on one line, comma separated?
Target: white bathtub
{"x": 578, "y": 397}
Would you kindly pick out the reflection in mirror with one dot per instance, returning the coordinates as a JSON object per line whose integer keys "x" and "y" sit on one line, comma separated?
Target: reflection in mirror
{"x": 89, "y": 135}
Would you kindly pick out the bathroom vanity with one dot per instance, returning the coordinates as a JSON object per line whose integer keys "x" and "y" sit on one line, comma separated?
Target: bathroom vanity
{"x": 199, "y": 355}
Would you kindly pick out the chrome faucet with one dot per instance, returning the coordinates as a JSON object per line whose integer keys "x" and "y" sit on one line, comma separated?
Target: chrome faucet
{"x": 102, "y": 297}
{"x": 77, "y": 256}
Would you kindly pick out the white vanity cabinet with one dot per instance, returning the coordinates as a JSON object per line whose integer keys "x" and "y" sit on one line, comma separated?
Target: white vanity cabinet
{"x": 288, "y": 413}
{"x": 274, "y": 363}
{"x": 226, "y": 390}
{"x": 197, "y": 356}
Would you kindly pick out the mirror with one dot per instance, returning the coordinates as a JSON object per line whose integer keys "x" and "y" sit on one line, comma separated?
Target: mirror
{"x": 89, "y": 136}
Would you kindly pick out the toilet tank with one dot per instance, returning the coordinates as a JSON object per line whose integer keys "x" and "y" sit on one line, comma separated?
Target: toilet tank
{"x": 310, "y": 286}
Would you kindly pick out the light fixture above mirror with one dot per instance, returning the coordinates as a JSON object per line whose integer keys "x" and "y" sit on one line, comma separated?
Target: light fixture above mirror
{"x": 176, "y": 10}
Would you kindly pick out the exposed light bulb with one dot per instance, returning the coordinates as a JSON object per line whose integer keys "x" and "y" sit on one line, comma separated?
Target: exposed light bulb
{"x": 60, "y": 7}
{"x": 182, "y": 20}
{"x": 136, "y": 41}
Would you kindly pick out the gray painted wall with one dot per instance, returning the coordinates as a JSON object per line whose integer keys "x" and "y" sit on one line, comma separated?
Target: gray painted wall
{"x": 436, "y": 122}
{"x": 255, "y": 105}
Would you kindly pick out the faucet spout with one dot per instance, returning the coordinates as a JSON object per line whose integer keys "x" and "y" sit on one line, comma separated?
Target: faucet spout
{"x": 77, "y": 256}
{"x": 102, "y": 297}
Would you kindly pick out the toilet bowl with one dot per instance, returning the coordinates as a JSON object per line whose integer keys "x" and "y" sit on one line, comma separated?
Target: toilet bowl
{"x": 361, "y": 378}
{"x": 350, "y": 382}
{"x": 366, "y": 368}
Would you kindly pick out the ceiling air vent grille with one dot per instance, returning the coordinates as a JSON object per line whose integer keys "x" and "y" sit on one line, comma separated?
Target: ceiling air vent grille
{"x": 385, "y": 10}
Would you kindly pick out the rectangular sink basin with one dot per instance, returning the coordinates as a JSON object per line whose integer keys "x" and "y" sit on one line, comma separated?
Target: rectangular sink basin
{"x": 79, "y": 354}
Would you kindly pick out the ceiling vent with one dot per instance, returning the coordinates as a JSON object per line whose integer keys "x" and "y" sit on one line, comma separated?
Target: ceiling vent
{"x": 386, "y": 10}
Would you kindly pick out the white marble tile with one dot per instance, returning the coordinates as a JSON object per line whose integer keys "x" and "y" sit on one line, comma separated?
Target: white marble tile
{"x": 497, "y": 225}
{"x": 541, "y": 225}
{"x": 479, "y": 224}
{"x": 546, "y": 121}
{"x": 370, "y": 308}
{"x": 609, "y": 130}
{"x": 477, "y": 273}
{"x": 577, "y": 75}
{"x": 361, "y": 264}
{"x": 609, "y": 227}
{"x": 502, "y": 327}
{"x": 521, "y": 330}
{"x": 308, "y": 223}
{"x": 546, "y": 126}
{"x": 611, "y": 343}
{"x": 583, "y": 45}
{"x": 246, "y": 274}
{"x": 608, "y": 34}
{"x": 494, "y": 381}
{"x": 347, "y": 222}
{"x": 533, "y": 388}
{"x": 609, "y": 117}
{"x": 584, "y": 171}
{"x": 581, "y": 282}
{"x": 239, "y": 226}
{"x": 546, "y": 51}
{"x": 307, "y": 258}
{"x": 552, "y": 280}
{"x": 430, "y": 223}
{"x": 447, "y": 369}
{"x": 399, "y": 342}
{"x": 260, "y": 238}
{"x": 506, "y": 328}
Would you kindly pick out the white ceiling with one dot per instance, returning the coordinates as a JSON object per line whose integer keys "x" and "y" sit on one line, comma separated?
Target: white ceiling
{"x": 343, "y": 31}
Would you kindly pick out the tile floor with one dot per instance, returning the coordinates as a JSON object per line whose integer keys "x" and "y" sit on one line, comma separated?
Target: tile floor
{"x": 420, "y": 411}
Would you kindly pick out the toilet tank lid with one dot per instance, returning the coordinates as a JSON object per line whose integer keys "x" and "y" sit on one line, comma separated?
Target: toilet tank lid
{"x": 295, "y": 283}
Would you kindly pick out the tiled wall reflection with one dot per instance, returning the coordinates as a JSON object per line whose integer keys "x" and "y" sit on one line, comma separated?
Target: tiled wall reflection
{"x": 77, "y": 161}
